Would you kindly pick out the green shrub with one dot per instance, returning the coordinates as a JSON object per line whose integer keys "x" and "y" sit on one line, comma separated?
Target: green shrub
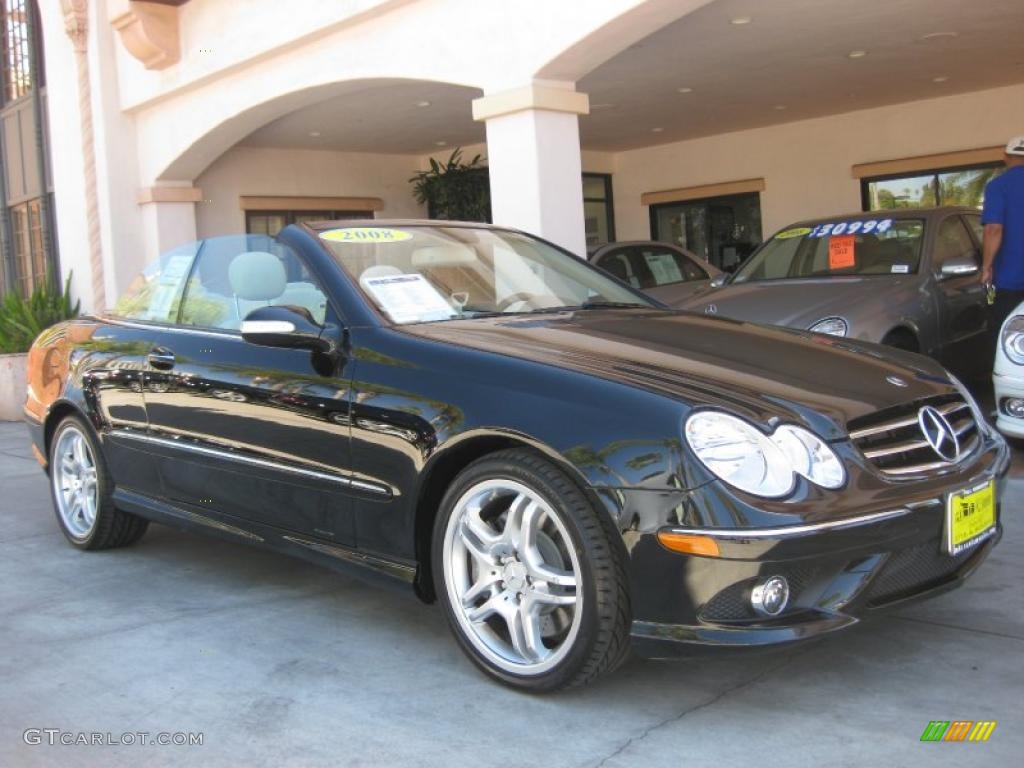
{"x": 455, "y": 190}
{"x": 21, "y": 320}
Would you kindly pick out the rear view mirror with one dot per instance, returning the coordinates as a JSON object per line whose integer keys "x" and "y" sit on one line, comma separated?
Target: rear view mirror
{"x": 959, "y": 267}
{"x": 288, "y": 327}
{"x": 718, "y": 281}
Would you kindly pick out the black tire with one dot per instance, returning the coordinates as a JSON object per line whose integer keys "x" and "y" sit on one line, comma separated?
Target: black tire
{"x": 111, "y": 527}
{"x": 601, "y": 642}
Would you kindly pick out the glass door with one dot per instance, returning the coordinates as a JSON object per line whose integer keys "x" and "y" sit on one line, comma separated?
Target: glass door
{"x": 720, "y": 230}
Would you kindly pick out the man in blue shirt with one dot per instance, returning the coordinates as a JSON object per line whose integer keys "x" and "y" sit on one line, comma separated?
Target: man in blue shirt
{"x": 1003, "y": 247}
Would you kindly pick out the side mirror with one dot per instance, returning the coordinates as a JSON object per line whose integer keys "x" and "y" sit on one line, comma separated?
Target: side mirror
{"x": 718, "y": 280}
{"x": 288, "y": 327}
{"x": 959, "y": 267}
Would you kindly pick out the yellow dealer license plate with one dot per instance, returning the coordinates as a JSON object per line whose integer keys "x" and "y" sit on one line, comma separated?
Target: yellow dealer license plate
{"x": 970, "y": 517}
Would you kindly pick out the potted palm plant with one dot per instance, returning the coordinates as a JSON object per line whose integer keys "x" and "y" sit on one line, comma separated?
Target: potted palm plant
{"x": 21, "y": 320}
{"x": 454, "y": 189}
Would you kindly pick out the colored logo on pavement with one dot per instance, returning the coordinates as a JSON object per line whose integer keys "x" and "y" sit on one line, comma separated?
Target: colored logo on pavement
{"x": 958, "y": 730}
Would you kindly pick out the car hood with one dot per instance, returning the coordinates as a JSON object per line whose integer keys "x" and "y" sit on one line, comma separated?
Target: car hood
{"x": 677, "y": 293}
{"x": 760, "y": 372}
{"x": 795, "y": 303}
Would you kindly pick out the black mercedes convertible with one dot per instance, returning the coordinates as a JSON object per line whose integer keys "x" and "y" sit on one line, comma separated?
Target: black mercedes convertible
{"x": 569, "y": 468}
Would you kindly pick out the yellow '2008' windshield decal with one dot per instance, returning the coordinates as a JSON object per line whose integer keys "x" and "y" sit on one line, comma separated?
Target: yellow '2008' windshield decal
{"x": 798, "y": 232}
{"x": 366, "y": 235}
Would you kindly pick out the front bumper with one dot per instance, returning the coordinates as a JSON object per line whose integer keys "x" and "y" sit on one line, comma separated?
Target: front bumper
{"x": 839, "y": 572}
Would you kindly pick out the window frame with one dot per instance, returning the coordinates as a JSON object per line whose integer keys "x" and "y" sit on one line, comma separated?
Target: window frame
{"x": 935, "y": 173}
{"x": 622, "y": 252}
{"x": 960, "y": 219}
{"x": 635, "y": 257}
{"x": 608, "y": 199}
{"x": 290, "y": 216}
{"x": 27, "y": 48}
{"x": 656, "y": 208}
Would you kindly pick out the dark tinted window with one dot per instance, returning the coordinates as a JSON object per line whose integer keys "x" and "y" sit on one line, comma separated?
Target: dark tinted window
{"x": 618, "y": 263}
{"x": 974, "y": 222}
{"x": 651, "y": 267}
{"x": 953, "y": 242}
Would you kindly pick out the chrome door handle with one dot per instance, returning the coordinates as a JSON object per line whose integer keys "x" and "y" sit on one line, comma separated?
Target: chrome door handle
{"x": 162, "y": 358}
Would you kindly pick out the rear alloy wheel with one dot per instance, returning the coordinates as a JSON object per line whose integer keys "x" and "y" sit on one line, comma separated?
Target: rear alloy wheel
{"x": 534, "y": 590}
{"x": 81, "y": 490}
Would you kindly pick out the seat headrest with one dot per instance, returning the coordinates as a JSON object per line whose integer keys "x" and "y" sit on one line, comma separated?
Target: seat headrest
{"x": 257, "y": 276}
{"x": 450, "y": 255}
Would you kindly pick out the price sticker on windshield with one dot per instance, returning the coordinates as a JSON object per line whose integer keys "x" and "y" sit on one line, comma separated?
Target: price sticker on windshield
{"x": 841, "y": 252}
{"x": 851, "y": 228}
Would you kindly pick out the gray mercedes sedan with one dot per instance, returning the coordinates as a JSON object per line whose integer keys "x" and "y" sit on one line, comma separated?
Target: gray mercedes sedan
{"x": 907, "y": 278}
{"x": 664, "y": 271}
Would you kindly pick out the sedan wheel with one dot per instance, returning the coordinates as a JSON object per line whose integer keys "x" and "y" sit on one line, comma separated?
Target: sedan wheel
{"x": 522, "y": 558}
{"x": 514, "y": 576}
{"x": 75, "y": 488}
{"x": 82, "y": 491}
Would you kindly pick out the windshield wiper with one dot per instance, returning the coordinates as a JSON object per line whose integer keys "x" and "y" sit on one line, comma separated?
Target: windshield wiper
{"x": 590, "y": 304}
{"x": 603, "y": 304}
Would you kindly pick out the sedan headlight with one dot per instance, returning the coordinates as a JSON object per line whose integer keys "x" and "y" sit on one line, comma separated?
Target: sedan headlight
{"x": 1013, "y": 339}
{"x": 833, "y": 326}
{"x": 744, "y": 457}
{"x": 810, "y": 456}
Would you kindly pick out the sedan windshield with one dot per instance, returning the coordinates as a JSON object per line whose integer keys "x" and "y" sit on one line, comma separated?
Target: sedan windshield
{"x": 417, "y": 274}
{"x": 838, "y": 249}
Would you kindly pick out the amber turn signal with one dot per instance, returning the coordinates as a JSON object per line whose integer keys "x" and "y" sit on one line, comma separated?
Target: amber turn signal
{"x": 688, "y": 543}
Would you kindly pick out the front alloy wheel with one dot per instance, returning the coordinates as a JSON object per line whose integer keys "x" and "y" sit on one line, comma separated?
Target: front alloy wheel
{"x": 513, "y": 576}
{"x": 534, "y": 590}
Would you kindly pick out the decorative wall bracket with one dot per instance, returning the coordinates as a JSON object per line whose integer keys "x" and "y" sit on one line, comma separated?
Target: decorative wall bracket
{"x": 149, "y": 31}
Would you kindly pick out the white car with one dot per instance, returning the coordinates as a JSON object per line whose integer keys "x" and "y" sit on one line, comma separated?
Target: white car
{"x": 1008, "y": 375}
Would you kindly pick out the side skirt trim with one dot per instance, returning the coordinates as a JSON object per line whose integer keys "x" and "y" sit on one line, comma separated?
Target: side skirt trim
{"x": 335, "y": 556}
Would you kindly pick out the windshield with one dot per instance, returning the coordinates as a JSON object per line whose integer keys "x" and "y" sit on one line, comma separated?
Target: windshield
{"x": 417, "y": 274}
{"x": 838, "y": 249}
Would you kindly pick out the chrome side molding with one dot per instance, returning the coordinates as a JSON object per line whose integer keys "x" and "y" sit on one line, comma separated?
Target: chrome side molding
{"x": 202, "y": 450}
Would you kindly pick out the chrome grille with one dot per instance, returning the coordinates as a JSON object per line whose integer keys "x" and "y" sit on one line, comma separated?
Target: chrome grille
{"x": 893, "y": 441}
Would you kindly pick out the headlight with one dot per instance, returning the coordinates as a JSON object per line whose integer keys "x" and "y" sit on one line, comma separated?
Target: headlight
{"x": 739, "y": 454}
{"x": 833, "y": 326}
{"x": 763, "y": 465}
{"x": 1013, "y": 339}
{"x": 810, "y": 456}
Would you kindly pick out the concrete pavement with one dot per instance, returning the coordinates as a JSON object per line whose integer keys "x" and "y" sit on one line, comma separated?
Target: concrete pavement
{"x": 280, "y": 663}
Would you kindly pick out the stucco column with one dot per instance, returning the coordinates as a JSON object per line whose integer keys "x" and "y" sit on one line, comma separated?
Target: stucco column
{"x": 533, "y": 153}
{"x": 168, "y": 217}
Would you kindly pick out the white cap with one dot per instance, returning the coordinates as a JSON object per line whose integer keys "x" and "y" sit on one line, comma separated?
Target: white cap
{"x": 1015, "y": 146}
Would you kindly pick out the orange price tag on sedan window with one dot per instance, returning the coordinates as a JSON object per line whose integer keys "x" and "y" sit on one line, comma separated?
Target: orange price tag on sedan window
{"x": 840, "y": 252}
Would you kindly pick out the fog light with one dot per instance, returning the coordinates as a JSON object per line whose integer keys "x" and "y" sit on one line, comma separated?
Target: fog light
{"x": 769, "y": 598}
{"x": 1014, "y": 406}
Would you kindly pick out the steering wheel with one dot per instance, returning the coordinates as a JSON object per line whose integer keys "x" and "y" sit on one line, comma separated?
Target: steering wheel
{"x": 508, "y": 301}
